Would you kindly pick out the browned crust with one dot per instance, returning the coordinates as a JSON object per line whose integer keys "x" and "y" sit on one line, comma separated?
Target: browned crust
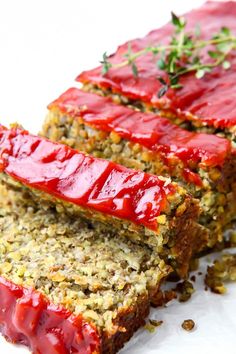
{"x": 228, "y": 179}
{"x": 128, "y": 322}
{"x": 190, "y": 237}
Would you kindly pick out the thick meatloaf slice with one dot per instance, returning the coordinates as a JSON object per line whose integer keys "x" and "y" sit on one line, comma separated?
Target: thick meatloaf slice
{"x": 144, "y": 207}
{"x": 67, "y": 288}
{"x": 207, "y": 104}
{"x": 204, "y": 164}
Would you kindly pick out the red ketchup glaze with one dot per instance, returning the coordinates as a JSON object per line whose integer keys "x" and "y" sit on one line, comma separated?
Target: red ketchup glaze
{"x": 210, "y": 99}
{"x": 154, "y": 132}
{"x": 83, "y": 180}
{"x": 27, "y": 317}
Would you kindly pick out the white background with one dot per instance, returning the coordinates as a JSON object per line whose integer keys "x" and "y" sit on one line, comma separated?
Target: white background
{"x": 43, "y": 46}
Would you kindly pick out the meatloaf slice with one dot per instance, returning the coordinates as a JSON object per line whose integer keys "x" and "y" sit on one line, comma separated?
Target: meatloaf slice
{"x": 67, "y": 288}
{"x": 144, "y": 207}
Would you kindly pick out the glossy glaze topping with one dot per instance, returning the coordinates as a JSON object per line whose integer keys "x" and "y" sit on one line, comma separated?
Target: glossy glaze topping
{"x": 154, "y": 132}
{"x": 27, "y": 317}
{"x": 210, "y": 99}
{"x": 83, "y": 180}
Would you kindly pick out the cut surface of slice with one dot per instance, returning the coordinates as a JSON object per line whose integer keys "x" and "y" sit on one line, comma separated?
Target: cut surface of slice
{"x": 67, "y": 288}
{"x": 141, "y": 206}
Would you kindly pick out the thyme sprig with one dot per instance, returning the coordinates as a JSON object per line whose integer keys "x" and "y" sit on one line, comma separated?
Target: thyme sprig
{"x": 181, "y": 55}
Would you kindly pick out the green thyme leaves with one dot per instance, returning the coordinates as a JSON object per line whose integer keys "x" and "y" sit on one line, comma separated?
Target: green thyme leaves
{"x": 183, "y": 55}
{"x": 178, "y": 22}
{"x": 106, "y": 65}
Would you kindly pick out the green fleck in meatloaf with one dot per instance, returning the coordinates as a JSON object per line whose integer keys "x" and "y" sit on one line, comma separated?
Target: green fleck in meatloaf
{"x": 202, "y": 163}
{"x": 108, "y": 280}
{"x": 143, "y": 207}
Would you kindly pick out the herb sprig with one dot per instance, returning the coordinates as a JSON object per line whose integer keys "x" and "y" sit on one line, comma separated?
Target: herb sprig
{"x": 182, "y": 55}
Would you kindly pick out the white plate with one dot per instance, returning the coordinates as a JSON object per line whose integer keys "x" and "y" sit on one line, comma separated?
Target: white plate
{"x": 43, "y": 46}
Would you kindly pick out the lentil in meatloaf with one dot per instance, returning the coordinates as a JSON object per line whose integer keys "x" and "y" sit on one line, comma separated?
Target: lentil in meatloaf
{"x": 93, "y": 289}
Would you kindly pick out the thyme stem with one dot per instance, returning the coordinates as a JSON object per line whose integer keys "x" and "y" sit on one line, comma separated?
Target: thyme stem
{"x": 181, "y": 55}
{"x": 159, "y": 49}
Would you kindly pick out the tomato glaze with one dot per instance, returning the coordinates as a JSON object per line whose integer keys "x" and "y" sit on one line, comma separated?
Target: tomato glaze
{"x": 83, "y": 180}
{"x": 210, "y": 99}
{"x": 150, "y": 130}
{"x": 27, "y": 317}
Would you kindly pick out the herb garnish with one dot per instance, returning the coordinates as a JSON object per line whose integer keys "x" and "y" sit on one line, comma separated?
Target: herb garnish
{"x": 181, "y": 55}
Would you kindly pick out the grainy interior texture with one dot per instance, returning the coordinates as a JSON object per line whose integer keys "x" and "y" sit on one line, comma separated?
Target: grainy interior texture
{"x": 100, "y": 276}
{"x": 216, "y": 195}
{"x": 176, "y": 239}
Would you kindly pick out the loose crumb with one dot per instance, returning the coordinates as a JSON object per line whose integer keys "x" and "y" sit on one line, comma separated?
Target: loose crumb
{"x": 188, "y": 325}
{"x": 155, "y": 322}
{"x": 152, "y": 325}
{"x": 222, "y": 270}
{"x": 185, "y": 289}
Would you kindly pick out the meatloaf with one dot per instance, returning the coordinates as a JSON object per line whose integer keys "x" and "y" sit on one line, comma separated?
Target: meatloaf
{"x": 144, "y": 207}
{"x": 206, "y": 104}
{"x": 67, "y": 288}
{"x": 204, "y": 164}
